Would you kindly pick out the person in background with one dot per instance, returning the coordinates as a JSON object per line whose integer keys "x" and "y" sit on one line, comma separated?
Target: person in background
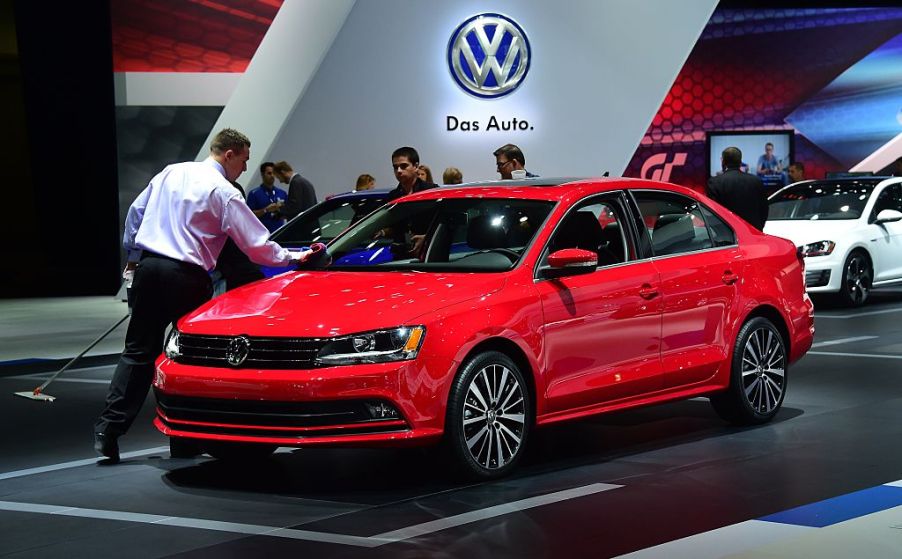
{"x": 768, "y": 164}
{"x": 267, "y": 199}
{"x": 405, "y": 162}
{"x": 452, "y": 175}
{"x": 425, "y": 174}
{"x": 234, "y": 267}
{"x": 796, "y": 172}
{"x": 508, "y": 159}
{"x": 177, "y": 226}
{"x": 301, "y": 194}
{"x": 365, "y": 182}
{"x": 741, "y": 193}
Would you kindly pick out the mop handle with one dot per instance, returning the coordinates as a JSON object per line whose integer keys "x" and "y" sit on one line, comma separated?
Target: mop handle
{"x": 39, "y": 389}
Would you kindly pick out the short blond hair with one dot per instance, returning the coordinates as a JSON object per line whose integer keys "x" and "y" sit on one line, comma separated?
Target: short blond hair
{"x": 282, "y": 167}
{"x": 452, "y": 175}
{"x": 229, "y": 139}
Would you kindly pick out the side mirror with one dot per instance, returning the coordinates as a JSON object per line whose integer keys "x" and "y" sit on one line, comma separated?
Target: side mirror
{"x": 570, "y": 262}
{"x": 888, "y": 216}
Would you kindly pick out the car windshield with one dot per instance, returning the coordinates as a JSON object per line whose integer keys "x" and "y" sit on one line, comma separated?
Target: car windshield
{"x": 326, "y": 220}
{"x": 448, "y": 235}
{"x": 820, "y": 201}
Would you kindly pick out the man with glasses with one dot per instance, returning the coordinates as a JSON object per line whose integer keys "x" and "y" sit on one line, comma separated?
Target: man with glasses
{"x": 511, "y": 163}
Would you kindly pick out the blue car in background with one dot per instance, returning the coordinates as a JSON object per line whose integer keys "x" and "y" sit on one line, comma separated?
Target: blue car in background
{"x": 325, "y": 221}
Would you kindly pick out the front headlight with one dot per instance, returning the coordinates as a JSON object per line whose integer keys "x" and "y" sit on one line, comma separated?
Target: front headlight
{"x": 380, "y": 346}
{"x": 820, "y": 248}
{"x": 172, "y": 348}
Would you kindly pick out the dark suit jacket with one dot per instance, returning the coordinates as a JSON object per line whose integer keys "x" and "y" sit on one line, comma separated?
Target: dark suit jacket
{"x": 301, "y": 196}
{"x": 741, "y": 193}
{"x": 235, "y": 267}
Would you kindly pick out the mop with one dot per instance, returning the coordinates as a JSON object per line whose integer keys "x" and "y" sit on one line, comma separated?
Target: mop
{"x": 38, "y": 393}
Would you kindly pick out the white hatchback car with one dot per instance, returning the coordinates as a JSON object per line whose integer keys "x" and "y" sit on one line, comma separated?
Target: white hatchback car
{"x": 848, "y": 230}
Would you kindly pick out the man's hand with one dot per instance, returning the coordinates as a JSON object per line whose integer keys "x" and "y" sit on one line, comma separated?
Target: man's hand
{"x": 417, "y": 250}
{"x": 316, "y": 255}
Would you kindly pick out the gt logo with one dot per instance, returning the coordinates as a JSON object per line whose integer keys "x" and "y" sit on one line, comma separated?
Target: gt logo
{"x": 657, "y": 167}
{"x": 488, "y": 55}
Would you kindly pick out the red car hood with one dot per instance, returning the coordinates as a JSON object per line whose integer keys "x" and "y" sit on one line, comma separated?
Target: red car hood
{"x": 319, "y": 304}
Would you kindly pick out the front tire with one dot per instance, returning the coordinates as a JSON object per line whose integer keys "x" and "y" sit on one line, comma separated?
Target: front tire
{"x": 857, "y": 276}
{"x": 757, "y": 375}
{"x": 489, "y": 416}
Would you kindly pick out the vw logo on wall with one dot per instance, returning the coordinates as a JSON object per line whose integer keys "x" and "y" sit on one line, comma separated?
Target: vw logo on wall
{"x": 488, "y": 55}
{"x": 237, "y": 350}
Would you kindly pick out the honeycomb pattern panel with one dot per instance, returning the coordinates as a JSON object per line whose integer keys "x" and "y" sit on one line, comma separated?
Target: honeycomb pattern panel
{"x": 753, "y": 80}
{"x": 188, "y": 36}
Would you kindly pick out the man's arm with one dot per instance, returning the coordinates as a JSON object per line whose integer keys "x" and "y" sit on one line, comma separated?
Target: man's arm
{"x": 240, "y": 224}
{"x": 260, "y": 205}
{"x": 132, "y": 223}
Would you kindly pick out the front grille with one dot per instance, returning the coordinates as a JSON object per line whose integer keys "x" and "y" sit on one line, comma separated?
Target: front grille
{"x": 263, "y": 353}
{"x": 285, "y": 419}
{"x": 817, "y": 278}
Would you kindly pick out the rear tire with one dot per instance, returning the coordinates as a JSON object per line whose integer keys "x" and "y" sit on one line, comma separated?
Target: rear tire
{"x": 489, "y": 416}
{"x": 857, "y": 277}
{"x": 757, "y": 375}
{"x": 238, "y": 452}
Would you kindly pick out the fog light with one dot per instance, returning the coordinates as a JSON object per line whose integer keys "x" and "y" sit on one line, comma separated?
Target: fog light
{"x": 382, "y": 410}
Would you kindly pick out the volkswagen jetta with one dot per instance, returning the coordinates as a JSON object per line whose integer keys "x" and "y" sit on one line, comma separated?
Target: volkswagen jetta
{"x": 471, "y": 316}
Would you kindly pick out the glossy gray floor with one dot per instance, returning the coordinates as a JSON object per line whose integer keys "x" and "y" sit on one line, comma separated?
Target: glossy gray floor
{"x": 599, "y": 488}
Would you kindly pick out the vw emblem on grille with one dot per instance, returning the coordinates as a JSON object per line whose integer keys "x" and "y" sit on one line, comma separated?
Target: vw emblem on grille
{"x": 237, "y": 350}
{"x": 488, "y": 55}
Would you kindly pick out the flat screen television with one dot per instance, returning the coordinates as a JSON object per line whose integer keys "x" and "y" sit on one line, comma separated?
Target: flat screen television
{"x": 752, "y": 145}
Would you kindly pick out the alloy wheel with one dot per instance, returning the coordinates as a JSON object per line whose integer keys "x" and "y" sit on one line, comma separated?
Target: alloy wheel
{"x": 494, "y": 416}
{"x": 857, "y": 279}
{"x": 763, "y": 370}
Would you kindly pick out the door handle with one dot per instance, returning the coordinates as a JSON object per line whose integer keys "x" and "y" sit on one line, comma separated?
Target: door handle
{"x": 729, "y": 277}
{"x": 647, "y": 291}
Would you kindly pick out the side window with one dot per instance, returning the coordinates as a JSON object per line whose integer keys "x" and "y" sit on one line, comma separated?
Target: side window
{"x": 889, "y": 199}
{"x": 364, "y": 207}
{"x": 597, "y": 226}
{"x": 334, "y": 222}
{"x": 675, "y": 223}
{"x": 720, "y": 232}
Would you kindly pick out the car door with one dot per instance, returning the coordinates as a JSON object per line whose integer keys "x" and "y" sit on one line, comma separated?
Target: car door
{"x": 601, "y": 329}
{"x": 696, "y": 254}
{"x": 886, "y": 238}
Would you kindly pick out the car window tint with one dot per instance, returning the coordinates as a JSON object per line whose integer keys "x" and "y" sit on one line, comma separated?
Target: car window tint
{"x": 324, "y": 222}
{"x": 720, "y": 232}
{"x": 820, "y": 200}
{"x": 597, "y": 227}
{"x": 466, "y": 234}
{"x": 675, "y": 223}
{"x": 889, "y": 199}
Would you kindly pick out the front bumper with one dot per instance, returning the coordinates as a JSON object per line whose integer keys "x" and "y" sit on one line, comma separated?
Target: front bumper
{"x": 348, "y": 405}
{"x": 823, "y": 274}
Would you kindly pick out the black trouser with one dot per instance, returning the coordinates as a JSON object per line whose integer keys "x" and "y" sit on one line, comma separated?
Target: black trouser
{"x": 163, "y": 291}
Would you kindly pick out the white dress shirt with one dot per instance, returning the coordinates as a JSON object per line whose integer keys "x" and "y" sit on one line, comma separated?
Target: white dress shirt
{"x": 186, "y": 213}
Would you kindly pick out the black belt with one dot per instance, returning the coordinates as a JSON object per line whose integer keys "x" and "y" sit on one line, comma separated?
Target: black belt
{"x": 150, "y": 254}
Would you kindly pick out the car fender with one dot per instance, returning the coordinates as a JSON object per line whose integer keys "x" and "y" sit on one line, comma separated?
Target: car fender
{"x": 513, "y": 317}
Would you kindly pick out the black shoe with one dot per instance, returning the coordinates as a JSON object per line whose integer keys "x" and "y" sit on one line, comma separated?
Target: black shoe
{"x": 107, "y": 445}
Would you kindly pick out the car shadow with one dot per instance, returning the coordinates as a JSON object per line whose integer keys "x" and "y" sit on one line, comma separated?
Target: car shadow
{"x": 380, "y": 476}
{"x": 877, "y": 300}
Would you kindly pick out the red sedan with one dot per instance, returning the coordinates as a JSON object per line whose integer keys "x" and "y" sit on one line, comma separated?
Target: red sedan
{"x": 471, "y": 315}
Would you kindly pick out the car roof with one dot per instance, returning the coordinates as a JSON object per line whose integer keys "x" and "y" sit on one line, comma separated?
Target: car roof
{"x": 357, "y": 194}
{"x": 557, "y": 189}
